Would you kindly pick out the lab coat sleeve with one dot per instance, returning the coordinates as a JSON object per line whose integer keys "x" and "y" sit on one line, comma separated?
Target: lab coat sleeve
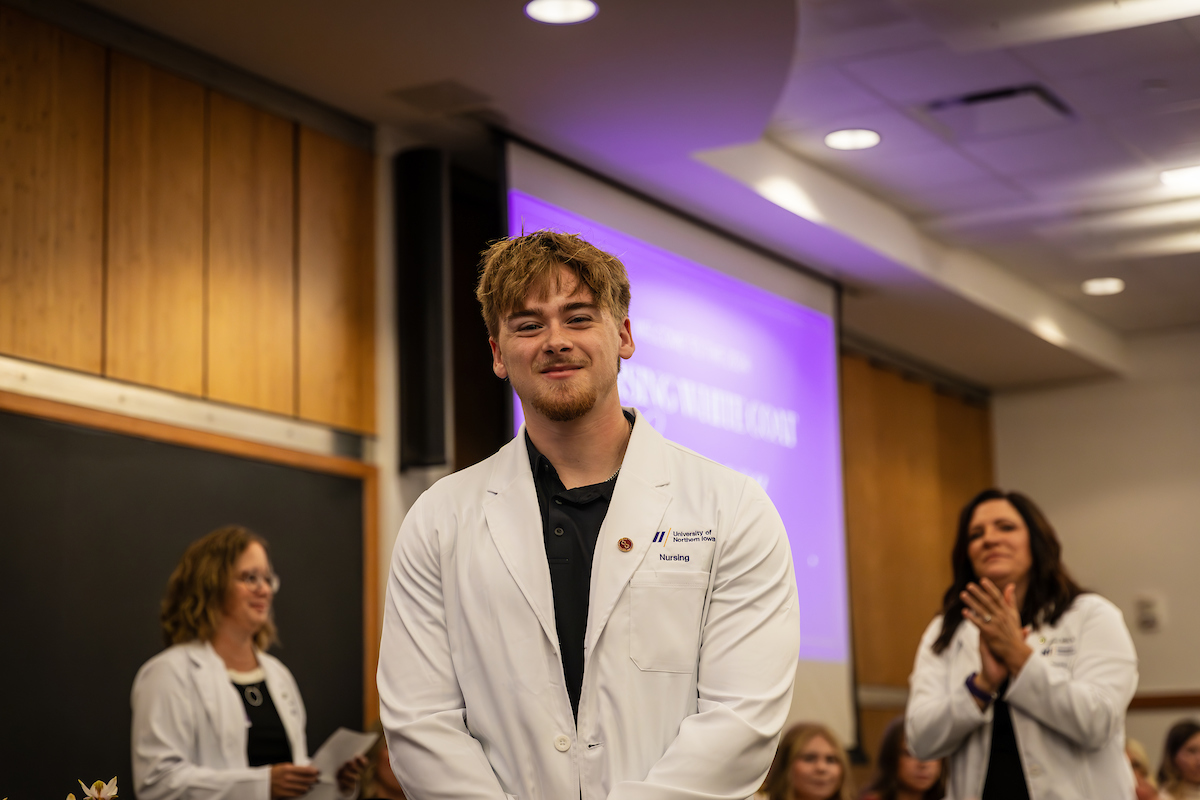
{"x": 1085, "y": 703}
{"x": 939, "y": 717}
{"x": 421, "y": 704}
{"x": 165, "y": 720}
{"x": 749, "y": 644}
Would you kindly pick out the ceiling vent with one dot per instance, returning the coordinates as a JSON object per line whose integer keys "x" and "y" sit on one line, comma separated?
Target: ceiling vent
{"x": 971, "y": 25}
{"x": 996, "y": 113}
{"x": 442, "y": 98}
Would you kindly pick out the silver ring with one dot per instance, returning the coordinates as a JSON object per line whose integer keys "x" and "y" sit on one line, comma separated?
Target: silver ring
{"x": 987, "y": 617}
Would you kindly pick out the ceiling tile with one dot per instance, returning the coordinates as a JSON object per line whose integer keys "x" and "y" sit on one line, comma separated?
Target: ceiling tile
{"x": 814, "y": 93}
{"x": 918, "y": 171}
{"x": 1171, "y": 140}
{"x": 1076, "y": 191}
{"x": 1059, "y": 153}
{"x": 1124, "y": 50}
{"x": 1148, "y": 87}
{"x": 971, "y": 196}
{"x": 935, "y": 73}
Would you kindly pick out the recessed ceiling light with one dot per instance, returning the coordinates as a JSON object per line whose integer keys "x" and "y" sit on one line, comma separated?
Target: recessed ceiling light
{"x": 561, "y": 12}
{"x": 852, "y": 139}
{"x": 1099, "y": 287}
{"x": 1188, "y": 177}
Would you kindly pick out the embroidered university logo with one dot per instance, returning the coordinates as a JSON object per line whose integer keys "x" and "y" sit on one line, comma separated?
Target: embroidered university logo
{"x": 662, "y": 536}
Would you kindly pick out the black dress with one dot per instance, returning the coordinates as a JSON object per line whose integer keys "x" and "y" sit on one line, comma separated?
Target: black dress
{"x": 266, "y": 741}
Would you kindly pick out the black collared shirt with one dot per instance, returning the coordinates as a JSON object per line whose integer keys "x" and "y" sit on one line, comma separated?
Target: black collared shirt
{"x": 571, "y": 520}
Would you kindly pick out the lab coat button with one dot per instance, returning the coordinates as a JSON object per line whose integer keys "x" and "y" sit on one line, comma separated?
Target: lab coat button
{"x": 624, "y": 545}
{"x": 561, "y": 743}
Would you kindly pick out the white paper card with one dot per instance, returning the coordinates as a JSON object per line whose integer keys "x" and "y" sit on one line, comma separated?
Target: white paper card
{"x": 341, "y": 746}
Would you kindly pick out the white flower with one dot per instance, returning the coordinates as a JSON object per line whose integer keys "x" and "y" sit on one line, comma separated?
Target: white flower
{"x": 99, "y": 790}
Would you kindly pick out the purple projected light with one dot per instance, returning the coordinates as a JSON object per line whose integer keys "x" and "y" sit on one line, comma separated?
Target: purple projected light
{"x": 744, "y": 377}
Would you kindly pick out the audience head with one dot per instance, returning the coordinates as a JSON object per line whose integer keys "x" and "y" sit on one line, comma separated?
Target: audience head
{"x": 809, "y": 764}
{"x": 1050, "y": 590}
{"x": 1180, "y": 766}
{"x": 1138, "y": 760}
{"x": 223, "y": 578}
{"x": 513, "y": 267}
{"x": 898, "y": 771}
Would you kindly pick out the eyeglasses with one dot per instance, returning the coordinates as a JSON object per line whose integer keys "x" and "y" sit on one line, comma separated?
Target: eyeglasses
{"x": 257, "y": 579}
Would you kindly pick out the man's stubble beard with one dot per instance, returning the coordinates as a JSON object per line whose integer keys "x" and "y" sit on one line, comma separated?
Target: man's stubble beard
{"x": 558, "y": 406}
{"x": 568, "y": 405}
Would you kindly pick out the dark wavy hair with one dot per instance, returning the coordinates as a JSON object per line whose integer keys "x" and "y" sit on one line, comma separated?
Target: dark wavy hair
{"x": 778, "y": 783}
{"x": 1051, "y": 590}
{"x": 885, "y": 783}
{"x": 1168, "y": 773}
{"x": 191, "y": 608}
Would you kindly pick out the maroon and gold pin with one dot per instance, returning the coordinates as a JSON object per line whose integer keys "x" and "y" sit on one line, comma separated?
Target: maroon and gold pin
{"x": 625, "y": 545}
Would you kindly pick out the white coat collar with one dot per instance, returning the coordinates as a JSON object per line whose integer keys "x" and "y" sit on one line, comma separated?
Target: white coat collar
{"x": 637, "y": 507}
{"x": 210, "y": 679}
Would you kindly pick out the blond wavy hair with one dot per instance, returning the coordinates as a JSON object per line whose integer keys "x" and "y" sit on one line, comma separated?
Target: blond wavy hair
{"x": 196, "y": 590}
{"x": 778, "y": 784}
{"x": 512, "y": 267}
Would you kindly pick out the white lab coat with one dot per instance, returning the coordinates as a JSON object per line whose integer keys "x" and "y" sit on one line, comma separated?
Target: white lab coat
{"x": 1068, "y": 706}
{"x": 690, "y": 648}
{"x": 190, "y": 727}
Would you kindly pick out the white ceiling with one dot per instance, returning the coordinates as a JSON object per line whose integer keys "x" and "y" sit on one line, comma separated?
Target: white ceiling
{"x": 989, "y": 234}
{"x": 1040, "y": 202}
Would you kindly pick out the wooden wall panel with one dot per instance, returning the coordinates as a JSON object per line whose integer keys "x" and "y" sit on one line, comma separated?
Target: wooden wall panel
{"x": 51, "y": 194}
{"x": 155, "y": 320}
{"x": 964, "y": 458}
{"x": 251, "y": 298}
{"x": 913, "y": 457}
{"x": 336, "y": 279}
{"x": 872, "y": 723}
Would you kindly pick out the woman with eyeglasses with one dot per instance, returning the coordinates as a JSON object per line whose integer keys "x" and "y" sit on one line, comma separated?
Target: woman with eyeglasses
{"x": 215, "y": 717}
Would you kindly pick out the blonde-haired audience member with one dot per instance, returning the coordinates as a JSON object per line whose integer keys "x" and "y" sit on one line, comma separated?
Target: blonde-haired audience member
{"x": 1179, "y": 773}
{"x": 1144, "y": 785}
{"x": 810, "y": 764}
{"x": 899, "y": 775}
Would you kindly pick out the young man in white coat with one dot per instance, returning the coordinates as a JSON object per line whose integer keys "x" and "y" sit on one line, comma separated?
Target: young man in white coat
{"x": 593, "y": 612}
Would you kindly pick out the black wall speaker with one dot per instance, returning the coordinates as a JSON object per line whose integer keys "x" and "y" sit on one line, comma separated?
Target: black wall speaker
{"x": 420, "y": 179}
{"x": 446, "y": 216}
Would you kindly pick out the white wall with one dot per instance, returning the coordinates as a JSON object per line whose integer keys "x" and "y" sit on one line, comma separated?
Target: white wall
{"x": 1116, "y": 467}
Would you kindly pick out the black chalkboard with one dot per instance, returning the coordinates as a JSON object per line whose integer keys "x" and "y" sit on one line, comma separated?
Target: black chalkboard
{"x": 91, "y": 525}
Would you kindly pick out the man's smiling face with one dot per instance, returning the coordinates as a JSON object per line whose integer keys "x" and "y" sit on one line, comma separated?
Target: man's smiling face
{"x": 560, "y": 350}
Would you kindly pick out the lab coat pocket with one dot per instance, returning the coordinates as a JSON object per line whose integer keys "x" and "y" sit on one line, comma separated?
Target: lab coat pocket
{"x": 664, "y": 624}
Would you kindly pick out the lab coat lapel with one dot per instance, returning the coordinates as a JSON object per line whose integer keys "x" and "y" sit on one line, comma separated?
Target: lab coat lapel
{"x": 515, "y": 523}
{"x": 638, "y": 505}
{"x": 215, "y": 690}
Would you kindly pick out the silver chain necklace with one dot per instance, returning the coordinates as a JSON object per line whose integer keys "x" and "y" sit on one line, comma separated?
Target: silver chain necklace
{"x": 628, "y": 436}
